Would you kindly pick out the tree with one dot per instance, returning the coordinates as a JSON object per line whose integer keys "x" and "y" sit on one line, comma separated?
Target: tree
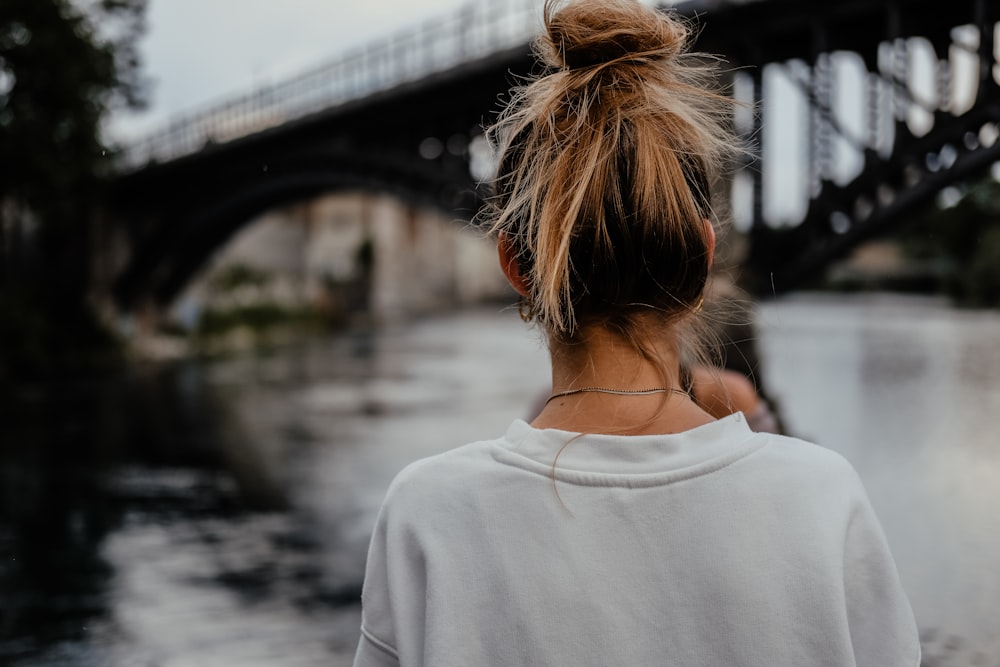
{"x": 63, "y": 66}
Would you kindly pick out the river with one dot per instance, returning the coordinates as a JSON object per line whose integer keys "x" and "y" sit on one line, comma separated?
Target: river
{"x": 217, "y": 512}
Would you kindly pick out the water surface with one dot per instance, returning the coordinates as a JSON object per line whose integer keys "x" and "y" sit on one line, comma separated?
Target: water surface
{"x": 218, "y": 513}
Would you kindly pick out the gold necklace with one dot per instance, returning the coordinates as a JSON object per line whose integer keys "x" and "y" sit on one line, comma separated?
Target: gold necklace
{"x": 619, "y": 392}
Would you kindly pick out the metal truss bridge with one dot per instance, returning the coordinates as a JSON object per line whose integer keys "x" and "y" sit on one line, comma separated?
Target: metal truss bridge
{"x": 867, "y": 109}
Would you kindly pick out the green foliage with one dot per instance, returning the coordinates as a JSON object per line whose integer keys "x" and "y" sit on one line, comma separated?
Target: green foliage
{"x": 63, "y": 66}
{"x": 966, "y": 238}
{"x": 238, "y": 276}
{"x": 61, "y": 71}
{"x": 240, "y": 304}
{"x": 256, "y": 317}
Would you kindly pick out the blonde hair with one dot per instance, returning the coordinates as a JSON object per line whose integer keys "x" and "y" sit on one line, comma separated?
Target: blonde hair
{"x": 605, "y": 161}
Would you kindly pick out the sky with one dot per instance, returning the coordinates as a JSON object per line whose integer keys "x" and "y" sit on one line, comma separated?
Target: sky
{"x": 199, "y": 51}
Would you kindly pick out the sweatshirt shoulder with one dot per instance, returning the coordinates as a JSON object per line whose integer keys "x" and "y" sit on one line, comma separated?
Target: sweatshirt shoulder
{"x": 446, "y": 469}
{"x": 804, "y": 452}
{"x": 807, "y": 460}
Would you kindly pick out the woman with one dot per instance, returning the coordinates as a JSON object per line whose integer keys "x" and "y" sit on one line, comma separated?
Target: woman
{"x": 624, "y": 525}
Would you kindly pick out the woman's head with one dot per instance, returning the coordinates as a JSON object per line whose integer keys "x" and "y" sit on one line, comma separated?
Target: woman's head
{"x": 604, "y": 168}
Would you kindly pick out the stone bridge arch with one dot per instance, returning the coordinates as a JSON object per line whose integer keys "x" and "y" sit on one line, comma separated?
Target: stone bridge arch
{"x": 183, "y": 236}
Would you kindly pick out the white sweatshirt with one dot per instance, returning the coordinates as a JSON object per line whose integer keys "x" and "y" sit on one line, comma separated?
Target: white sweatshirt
{"x": 713, "y": 547}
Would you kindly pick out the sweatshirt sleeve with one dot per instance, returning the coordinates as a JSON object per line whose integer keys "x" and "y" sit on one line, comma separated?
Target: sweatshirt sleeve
{"x": 372, "y": 654}
{"x": 376, "y": 648}
{"x": 883, "y": 629}
{"x": 394, "y": 595}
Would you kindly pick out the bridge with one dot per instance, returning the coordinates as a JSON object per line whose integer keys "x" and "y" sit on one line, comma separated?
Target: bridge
{"x": 892, "y": 101}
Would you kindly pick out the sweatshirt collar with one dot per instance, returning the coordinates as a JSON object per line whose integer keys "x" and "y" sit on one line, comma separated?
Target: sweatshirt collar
{"x": 628, "y": 460}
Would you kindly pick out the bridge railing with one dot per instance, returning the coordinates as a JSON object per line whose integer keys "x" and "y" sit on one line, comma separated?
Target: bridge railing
{"x": 474, "y": 31}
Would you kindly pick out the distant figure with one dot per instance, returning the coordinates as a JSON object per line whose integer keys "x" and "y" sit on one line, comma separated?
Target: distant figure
{"x": 722, "y": 392}
{"x": 732, "y": 383}
{"x": 624, "y": 525}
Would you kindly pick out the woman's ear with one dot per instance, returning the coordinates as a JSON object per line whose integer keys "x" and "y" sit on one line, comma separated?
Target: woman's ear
{"x": 510, "y": 264}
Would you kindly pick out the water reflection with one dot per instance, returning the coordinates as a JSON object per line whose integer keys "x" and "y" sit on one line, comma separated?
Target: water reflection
{"x": 218, "y": 513}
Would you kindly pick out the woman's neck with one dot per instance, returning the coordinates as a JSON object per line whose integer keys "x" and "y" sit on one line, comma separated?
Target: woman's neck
{"x": 599, "y": 358}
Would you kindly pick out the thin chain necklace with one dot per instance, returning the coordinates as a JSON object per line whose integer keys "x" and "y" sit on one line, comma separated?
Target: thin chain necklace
{"x": 619, "y": 392}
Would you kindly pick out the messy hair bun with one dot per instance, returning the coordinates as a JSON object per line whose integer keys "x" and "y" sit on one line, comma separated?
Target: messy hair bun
{"x": 587, "y": 35}
{"x": 605, "y": 161}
